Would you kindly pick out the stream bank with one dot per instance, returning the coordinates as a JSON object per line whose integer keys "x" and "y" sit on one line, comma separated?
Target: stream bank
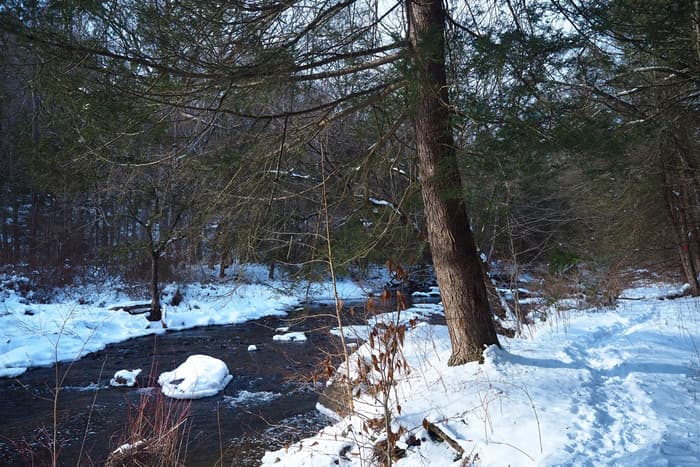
{"x": 270, "y": 401}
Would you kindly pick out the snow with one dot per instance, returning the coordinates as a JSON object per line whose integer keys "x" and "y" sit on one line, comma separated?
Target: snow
{"x": 128, "y": 447}
{"x": 380, "y": 202}
{"x": 200, "y": 376}
{"x": 290, "y": 337}
{"x": 420, "y": 311}
{"x": 654, "y": 291}
{"x": 434, "y": 291}
{"x": 322, "y": 292}
{"x": 598, "y": 387}
{"x": 252, "y": 348}
{"x": 587, "y": 387}
{"x": 80, "y": 320}
{"x": 125, "y": 378}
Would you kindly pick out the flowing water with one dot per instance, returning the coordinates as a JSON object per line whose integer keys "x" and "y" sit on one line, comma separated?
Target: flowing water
{"x": 270, "y": 401}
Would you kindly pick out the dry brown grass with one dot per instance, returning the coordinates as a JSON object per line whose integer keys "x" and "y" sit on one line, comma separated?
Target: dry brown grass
{"x": 156, "y": 434}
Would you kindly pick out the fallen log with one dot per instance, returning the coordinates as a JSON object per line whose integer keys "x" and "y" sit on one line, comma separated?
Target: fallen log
{"x": 137, "y": 309}
{"x": 436, "y": 433}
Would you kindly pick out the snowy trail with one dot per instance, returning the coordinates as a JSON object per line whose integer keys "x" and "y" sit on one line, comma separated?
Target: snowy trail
{"x": 602, "y": 387}
{"x": 614, "y": 411}
{"x": 633, "y": 400}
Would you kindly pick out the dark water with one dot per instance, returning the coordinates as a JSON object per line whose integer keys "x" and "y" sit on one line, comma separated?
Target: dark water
{"x": 92, "y": 416}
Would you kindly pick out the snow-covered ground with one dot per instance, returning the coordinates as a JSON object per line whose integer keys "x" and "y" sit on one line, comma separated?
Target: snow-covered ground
{"x": 614, "y": 387}
{"x": 81, "y": 321}
{"x": 586, "y": 387}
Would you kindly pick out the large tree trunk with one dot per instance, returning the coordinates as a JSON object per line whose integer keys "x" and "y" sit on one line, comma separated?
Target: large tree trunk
{"x": 455, "y": 258}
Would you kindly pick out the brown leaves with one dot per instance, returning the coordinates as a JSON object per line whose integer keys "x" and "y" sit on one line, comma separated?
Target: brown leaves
{"x": 401, "y": 302}
{"x": 377, "y": 374}
{"x": 363, "y": 370}
{"x": 371, "y": 305}
{"x": 328, "y": 368}
{"x": 400, "y": 273}
{"x": 375, "y": 362}
{"x": 374, "y": 424}
{"x": 385, "y": 297}
{"x": 401, "y": 334}
{"x": 396, "y": 270}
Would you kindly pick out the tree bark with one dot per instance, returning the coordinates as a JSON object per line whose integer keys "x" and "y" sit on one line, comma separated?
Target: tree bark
{"x": 455, "y": 257}
{"x": 681, "y": 196}
{"x": 155, "y": 314}
{"x": 696, "y": 28}
{"x": 223, "y": 263}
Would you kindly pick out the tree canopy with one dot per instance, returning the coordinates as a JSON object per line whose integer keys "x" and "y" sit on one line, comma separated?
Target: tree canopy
{"x": 199, "y": 131}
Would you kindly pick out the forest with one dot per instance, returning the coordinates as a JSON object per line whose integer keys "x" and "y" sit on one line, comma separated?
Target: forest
{"x": 146, "y": 140}
{"x": 179, "y": 133}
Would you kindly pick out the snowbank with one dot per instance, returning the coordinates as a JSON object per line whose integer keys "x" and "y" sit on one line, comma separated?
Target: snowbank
{"x": 200, "y": 376}
{"x": 604, "y": 387}
{"x": 654, "y": 291}
{"x": 82, "y": 321}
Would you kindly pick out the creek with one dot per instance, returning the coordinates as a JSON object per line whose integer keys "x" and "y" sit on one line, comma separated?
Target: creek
{"x": 269, "y": 403}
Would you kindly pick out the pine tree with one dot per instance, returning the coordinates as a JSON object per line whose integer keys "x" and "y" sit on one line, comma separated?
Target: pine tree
{"x": 210, "y": 62}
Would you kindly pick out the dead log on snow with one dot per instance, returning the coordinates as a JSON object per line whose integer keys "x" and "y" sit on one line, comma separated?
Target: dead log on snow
{"x": 137, "y": 309}
{"x": 435, "y": 432}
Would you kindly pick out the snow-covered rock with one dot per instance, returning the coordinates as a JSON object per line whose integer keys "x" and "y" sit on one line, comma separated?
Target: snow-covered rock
{"x": 200, "y": 376}
{"x": 252, "y": 348}
{"x": 125, "y": 378}
{"x": 290, "y": 337}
